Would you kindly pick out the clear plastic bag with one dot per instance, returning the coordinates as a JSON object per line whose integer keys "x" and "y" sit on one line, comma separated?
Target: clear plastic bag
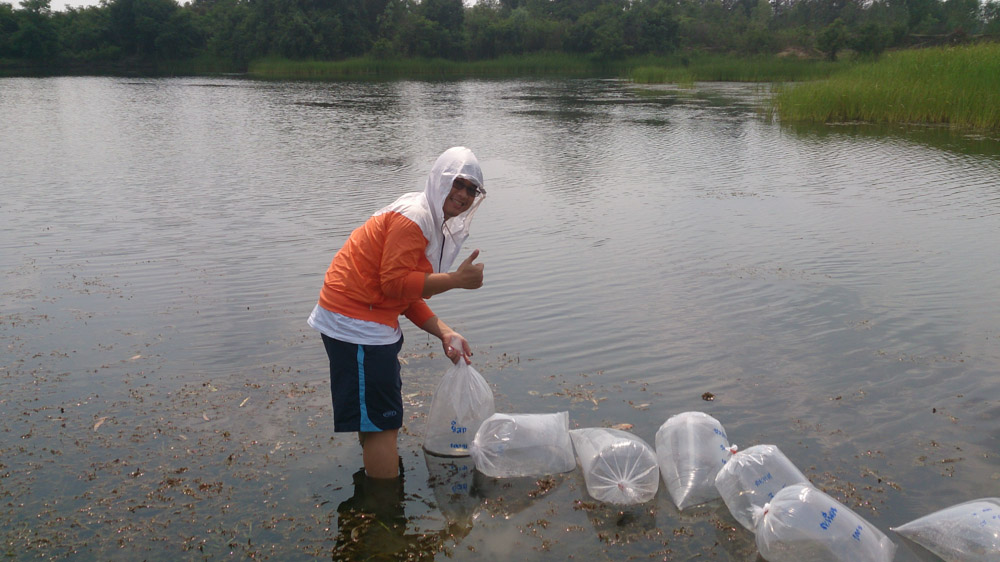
{"x": 511, "y": 445}
{"x": 461, "y": 402}
{"x": 802, "y": 523}
{"x": 691, "y": 448}
{"x": 618, "y": 467}
{"x": 752, "y": 477}
{"x": 966, "y": 532}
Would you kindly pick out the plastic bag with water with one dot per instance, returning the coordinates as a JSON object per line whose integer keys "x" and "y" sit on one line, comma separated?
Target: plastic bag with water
{"x": 512, "y": 445}
{"x": 462, "y": 401}
{"x": 618, "y": 467}
{"x": 802, "y": 524}
{"x": 752, "y": 477}
{"x": 966, "y": 532}
{"x": 691, "y": 448}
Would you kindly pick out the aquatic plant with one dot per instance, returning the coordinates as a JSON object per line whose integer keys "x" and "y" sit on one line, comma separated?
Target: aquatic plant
{"x": 955, "y": 86}
{"x": 729, "y": 68}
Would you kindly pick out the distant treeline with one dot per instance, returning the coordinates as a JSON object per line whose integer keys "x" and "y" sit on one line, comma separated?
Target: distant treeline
{"x": 235, "y": 32}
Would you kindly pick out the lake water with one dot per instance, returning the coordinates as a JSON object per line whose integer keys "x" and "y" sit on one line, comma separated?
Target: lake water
{"x": 835, "y": 290}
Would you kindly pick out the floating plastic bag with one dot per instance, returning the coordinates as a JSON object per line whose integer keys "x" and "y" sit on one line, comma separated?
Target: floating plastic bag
{"x": 803, "y": 524}
{"x": 691, "y": 448}
{"x": 752, "y": 477}
{"x": 461, "y": 402}
{"x": 510, "y": 445}
{"x": 618, "y": 467}
{"x": 967, "y": 532}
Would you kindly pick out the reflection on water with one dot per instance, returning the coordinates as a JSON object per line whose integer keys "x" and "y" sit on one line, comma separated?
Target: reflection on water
{"x": 837, "y": 289}
{"x": 372, "y": 524}
{"x": 452, "y": 480}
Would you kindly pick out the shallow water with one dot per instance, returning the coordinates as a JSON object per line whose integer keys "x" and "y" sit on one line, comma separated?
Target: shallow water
{"x": 834, "y": 290}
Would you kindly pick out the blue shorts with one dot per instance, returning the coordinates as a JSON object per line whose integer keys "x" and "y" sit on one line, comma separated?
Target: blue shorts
{"x": 366, "y": 386}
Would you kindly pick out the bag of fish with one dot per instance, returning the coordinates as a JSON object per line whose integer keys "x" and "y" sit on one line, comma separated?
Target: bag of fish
{"x": 691, "y": 448}
{"x": 802, "y": 523}
{"x": 752, "y": 477}
{"x": 462, "y": 401}
{"x": 513, "y": 445}
{"x": 966, "y": 532}
{"x": 618, "y": 467}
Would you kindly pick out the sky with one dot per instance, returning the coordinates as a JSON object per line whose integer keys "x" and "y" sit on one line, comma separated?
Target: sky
{"x": 59, "y": 5}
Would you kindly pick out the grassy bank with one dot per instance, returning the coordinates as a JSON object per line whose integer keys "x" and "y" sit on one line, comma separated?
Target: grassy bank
{"x": 958, "y": 86}
{"x": 646, "y": 69}
{"x": 198, "y": 66}
{"x": 554, "y": 64}
{"x": 728, "y": 68}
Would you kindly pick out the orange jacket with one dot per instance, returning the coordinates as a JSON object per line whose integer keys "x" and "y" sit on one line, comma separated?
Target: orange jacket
{"x": 379, "y": 273}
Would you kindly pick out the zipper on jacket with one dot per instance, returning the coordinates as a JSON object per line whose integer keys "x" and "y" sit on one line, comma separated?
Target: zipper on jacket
{"x": 441, "y": 257}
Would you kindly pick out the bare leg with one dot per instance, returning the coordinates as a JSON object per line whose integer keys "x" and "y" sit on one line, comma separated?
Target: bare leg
{"x": 380, "y": 454}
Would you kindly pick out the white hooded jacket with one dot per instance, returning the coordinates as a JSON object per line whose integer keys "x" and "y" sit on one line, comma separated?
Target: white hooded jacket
{"x": 444, "y": 238}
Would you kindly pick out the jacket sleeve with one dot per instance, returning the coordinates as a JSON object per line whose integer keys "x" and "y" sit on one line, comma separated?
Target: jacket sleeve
{"x": 419, "y": 313}
{"x": 401, "y": 272}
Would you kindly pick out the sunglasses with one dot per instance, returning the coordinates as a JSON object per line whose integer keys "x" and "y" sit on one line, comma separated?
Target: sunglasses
{"x": 472, "y": 189}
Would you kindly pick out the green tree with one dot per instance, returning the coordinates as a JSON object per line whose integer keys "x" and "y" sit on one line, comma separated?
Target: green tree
{"x": 85, "y": 34}
{"x": 388, "y": 26}
{"x": 295, "y": 37}
{"x": 653, "y": 27}
{"x": 8, "y": 26}
{"x": 229, "y": 25}
{"x": 924, "y": 16}
{"x": 544, "y": 34}
{"x": 180, "y": 37}
{"x": 833, "y": 39}
{"x": 758, "y": 38}
{"x": 991, "y": 17}
{"x": 137, "y": 24}
{"x": 37, "y": 7}
{"x": 36, "y": 37}
{"x": 419, "y": 37}
{"x": 600, "y": 32}
{"x": 961, "y": 15}
{"x": 871, "y": 39}
{"x": 446, "y": 25}
{"x": 761, "y": 14}
{"x": 483, "y": 25}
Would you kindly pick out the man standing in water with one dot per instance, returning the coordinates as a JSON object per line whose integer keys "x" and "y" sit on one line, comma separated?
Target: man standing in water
{"x": 388, "y": 266}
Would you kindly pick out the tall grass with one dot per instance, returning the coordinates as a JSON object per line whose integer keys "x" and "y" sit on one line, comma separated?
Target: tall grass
{"x": 958, "y": 86}
{"x": 644, "y": 69}
{"x": 728, "y": 68}
{"x": 547, "y": 64}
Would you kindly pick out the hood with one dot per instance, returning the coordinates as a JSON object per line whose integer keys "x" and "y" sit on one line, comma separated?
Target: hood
{"x": 457, "y": 162}
{"x": 444, "y": 238}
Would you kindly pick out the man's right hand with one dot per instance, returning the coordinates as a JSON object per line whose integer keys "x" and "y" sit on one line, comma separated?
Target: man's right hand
{"x": 469, "y": 275}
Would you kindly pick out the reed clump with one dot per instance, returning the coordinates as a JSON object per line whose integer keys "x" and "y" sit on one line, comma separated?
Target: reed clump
{"x": 955, "y": 86}
{"x": 728, "y": 68}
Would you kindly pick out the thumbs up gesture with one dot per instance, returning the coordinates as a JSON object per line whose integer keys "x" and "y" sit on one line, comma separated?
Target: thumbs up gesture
{"x": 469, "y": 275}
